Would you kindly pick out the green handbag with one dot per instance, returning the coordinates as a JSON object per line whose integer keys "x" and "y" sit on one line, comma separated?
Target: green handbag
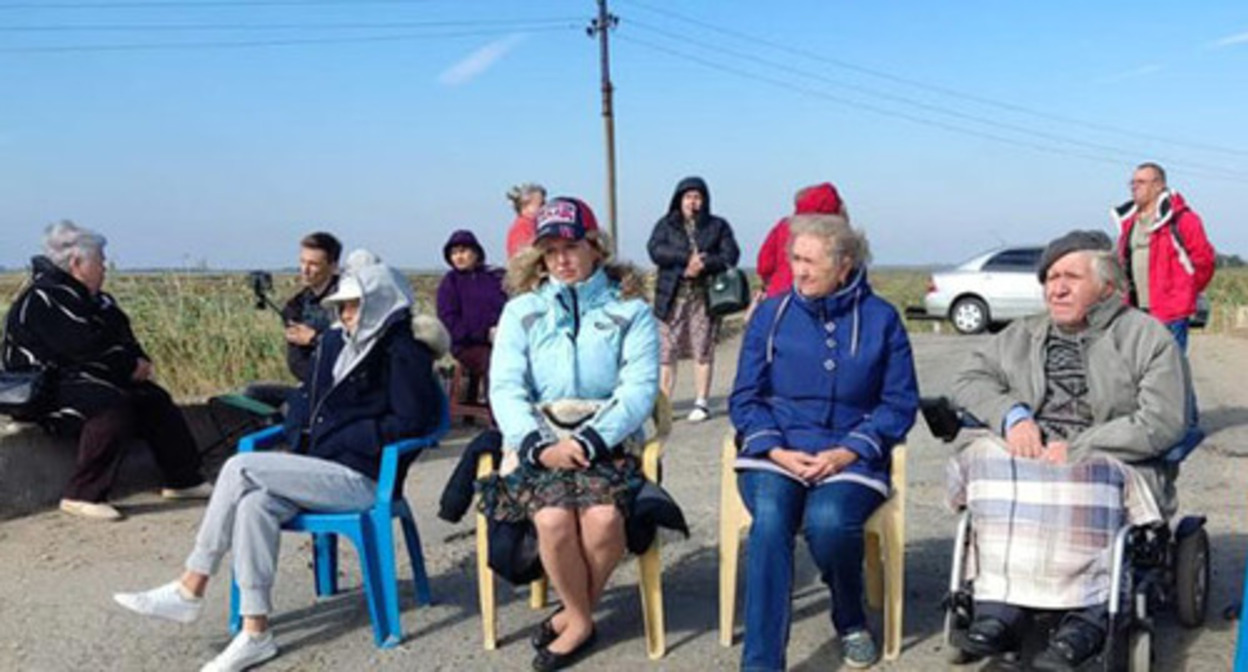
{"x": 728, "y": 292}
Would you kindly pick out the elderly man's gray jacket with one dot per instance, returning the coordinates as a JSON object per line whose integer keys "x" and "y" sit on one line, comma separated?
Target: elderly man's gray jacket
{"x": 1136, "y": 380}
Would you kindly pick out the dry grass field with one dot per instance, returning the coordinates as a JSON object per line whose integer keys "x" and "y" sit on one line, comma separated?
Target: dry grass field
{"x": 205, "y": 335}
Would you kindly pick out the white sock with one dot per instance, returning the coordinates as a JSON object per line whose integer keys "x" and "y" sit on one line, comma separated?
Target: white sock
{"x": 186, "y": 594}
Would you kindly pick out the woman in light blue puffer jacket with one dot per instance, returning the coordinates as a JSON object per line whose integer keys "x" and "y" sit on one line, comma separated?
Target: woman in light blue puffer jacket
{"x": 573, "y": 378}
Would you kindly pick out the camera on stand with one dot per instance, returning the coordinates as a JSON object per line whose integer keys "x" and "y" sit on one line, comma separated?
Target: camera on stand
{"x": 261, "y": 285}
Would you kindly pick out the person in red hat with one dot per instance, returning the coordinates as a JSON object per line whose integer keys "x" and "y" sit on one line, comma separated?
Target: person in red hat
{"x": 773, "y": 257}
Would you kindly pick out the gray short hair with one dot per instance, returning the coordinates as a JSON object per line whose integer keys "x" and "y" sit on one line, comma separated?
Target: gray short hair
{"x": 521, "y": 192}
{"x": 65, "y": 240}
{"x": 1106, "y": 267}
{"x": 841, "y": 238}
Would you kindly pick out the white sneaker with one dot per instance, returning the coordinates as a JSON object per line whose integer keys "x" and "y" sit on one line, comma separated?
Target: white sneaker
{"x": 201, "y": 491}
{"x": 164, "y": 602}
{"x": 699, "y": 413}
{"x": 245, "y": 650}
{"x": 91, "y": 510}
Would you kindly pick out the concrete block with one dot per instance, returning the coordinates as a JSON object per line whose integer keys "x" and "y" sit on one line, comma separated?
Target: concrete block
{"x": 35, "y": 466}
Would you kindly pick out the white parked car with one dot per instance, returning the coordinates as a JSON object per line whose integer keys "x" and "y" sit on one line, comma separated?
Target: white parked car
{"x": 994, "y": 288}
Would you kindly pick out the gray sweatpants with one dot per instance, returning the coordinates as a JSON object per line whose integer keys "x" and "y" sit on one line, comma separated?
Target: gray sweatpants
{"x": 254, "y": 494}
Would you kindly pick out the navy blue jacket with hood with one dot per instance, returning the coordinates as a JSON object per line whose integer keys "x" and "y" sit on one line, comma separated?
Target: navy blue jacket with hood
{"x": 820, "y": 373}
{"x": 385, "y": 393}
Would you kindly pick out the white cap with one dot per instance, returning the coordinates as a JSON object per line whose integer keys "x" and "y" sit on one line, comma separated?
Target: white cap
{"x": 349, "y": 289}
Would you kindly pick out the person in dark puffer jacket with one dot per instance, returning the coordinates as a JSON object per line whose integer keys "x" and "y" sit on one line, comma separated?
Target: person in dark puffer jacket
{"x": 689, "y": 245}
{"x": 104, "y": 389}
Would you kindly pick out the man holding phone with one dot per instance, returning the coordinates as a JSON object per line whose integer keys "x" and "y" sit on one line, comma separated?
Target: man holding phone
{"x": 303, "y": 314}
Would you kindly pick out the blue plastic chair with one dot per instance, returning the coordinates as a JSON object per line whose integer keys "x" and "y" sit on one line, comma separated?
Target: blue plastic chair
{"x": 370, "y": 530}
{"x": 1241, "y": 640}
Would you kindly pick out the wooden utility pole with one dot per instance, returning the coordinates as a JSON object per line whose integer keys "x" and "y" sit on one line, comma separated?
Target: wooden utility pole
{"x": 601, "y": 27}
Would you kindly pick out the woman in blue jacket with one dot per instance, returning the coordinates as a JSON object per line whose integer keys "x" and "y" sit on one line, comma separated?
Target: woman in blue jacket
{"x": 825, "y": 388}
{"x": 573, "y": 378}
{"x": 371, "y": 384}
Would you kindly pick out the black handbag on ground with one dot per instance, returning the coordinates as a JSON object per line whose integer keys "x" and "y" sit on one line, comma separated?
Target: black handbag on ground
{"x": 24, "y": 394}
{"x": 728, "y": 292}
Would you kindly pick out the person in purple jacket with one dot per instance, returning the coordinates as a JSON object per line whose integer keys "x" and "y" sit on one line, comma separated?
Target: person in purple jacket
{"x": 470, "y": 301}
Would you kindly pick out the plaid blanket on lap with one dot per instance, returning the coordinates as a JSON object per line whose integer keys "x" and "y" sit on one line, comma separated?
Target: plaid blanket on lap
{"x": 1044, "y": 533}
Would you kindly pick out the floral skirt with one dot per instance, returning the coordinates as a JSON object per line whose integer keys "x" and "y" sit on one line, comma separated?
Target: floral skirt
{"x": 527, "y": 490}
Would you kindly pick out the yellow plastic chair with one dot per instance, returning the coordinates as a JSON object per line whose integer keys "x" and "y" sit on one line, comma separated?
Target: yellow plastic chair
{"x": 650, "y": 564}
{"x": 885, "y": 558}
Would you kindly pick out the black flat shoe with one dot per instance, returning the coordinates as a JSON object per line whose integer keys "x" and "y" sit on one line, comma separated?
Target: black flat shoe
{"x": 989, "y": 636}
{"x": 547, "y": 660}
{"x": 1072, "y": 645}
{"x": 545, "y": 632}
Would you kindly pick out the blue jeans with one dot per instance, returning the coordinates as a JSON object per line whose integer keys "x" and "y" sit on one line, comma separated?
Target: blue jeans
{"x": 832, "y": 517}
{"x": 1179, "y": 329}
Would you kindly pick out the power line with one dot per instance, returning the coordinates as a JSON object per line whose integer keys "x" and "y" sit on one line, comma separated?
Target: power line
{"x": 858, "y": 105}
{"x": 157, "y": 4}
{"x": 934, "y": 88}
{"x": 957, "y": 114}
{"x": 195, "y": 27}
{"x": 228, "y": 44}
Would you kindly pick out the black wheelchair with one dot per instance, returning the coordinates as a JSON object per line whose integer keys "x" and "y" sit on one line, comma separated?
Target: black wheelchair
{"x": 1156, "y": 567}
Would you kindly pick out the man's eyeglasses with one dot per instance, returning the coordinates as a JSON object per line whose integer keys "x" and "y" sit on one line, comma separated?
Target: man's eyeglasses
{"x": 1136, "y": 183}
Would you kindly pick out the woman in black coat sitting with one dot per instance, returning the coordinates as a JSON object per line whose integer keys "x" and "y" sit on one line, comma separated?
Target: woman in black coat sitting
{"x": 102, "y": 379}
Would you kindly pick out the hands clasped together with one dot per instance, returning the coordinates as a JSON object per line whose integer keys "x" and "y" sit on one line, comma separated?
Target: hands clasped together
{"x": 813, "y": 468}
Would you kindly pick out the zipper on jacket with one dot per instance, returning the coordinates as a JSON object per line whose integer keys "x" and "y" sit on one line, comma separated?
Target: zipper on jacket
{"x": 574, "y": 309}
{"x": 316, "y": 374}
{"x": 576, "y": 330}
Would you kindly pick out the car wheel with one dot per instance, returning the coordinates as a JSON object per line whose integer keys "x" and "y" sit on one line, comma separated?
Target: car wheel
{"x": 969, "y": 315}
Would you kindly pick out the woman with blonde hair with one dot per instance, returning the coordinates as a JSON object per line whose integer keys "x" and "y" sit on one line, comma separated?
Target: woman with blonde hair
{"x": 573, "y": 378}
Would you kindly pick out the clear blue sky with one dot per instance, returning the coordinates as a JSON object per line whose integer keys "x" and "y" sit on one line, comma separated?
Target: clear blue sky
{"x": 229, "y": 154}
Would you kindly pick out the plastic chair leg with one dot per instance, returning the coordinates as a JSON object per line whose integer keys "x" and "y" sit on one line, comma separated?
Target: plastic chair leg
{"x": 651, "y": 570}
{"x": 895, "y": 581}
{"x": 415, "y": 555}
{"x": 236, "y": 620}
{"x": 537, "y": 593}
{"x": 325, "y": 563}
{"x": 366, "y": 549}
{"x": 485, "y": 575}
{"x": 874, "y": 569}
{"x": 731, "y": 521}
{"x": 386, "y": 586}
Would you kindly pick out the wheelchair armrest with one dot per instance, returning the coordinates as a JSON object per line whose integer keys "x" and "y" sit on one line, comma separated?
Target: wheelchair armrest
{"x": 942, "y": 417}
{"x": 261, "y": 440}
{"x": 1179, "y": 452}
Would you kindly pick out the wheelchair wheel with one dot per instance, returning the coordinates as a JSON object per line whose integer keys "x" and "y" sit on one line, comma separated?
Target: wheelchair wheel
{"x": 1191, "y": 578}
{"x": 1141, "y": 651}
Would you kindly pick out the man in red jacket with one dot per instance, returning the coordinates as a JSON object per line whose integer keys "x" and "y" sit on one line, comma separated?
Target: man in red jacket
{"x": 1162, "y": 244}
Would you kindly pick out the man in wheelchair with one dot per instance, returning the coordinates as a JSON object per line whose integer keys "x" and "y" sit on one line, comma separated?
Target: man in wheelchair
{"x": 1081, "y": 404}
